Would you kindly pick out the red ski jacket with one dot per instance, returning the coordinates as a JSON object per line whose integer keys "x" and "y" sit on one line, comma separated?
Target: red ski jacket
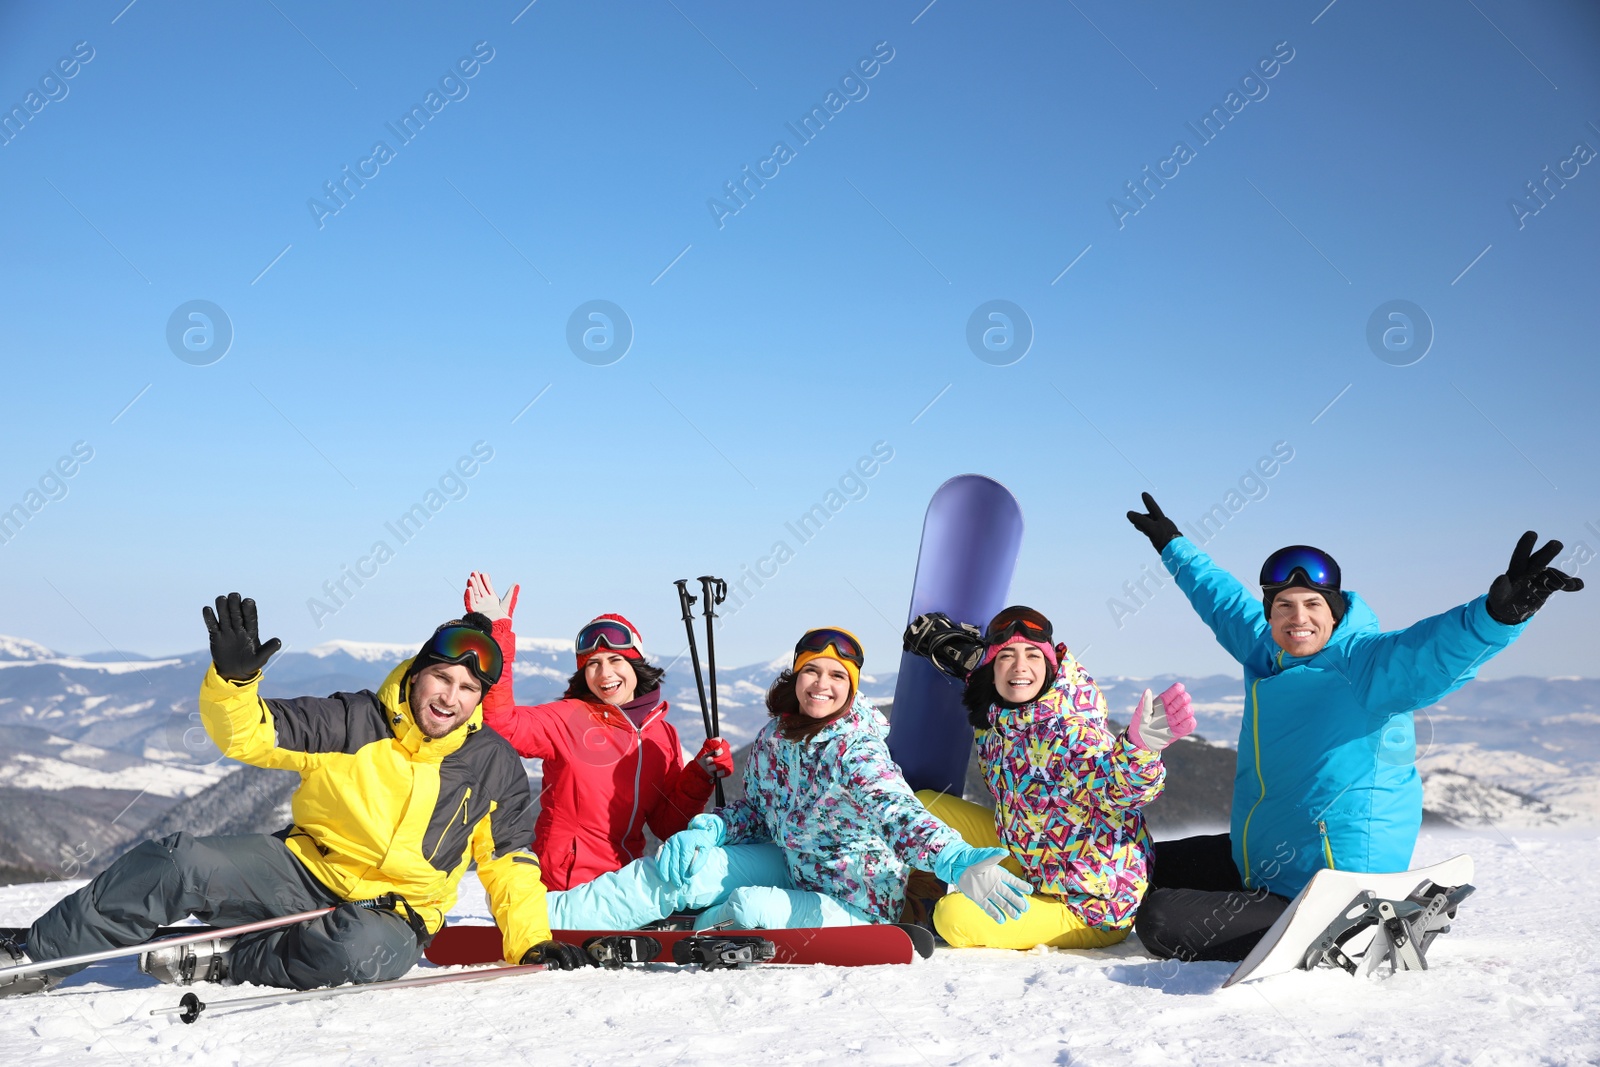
{"x": 604, "y": 778}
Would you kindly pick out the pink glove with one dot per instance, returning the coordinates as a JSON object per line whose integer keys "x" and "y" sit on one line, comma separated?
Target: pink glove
{"x": 479, "y": 597}
{"x": 1159, "y": 721}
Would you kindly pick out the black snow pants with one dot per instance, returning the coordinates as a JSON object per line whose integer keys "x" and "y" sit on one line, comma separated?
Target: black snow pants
{"x": 227, "y": 881}
{"x": 1197, "y": 907}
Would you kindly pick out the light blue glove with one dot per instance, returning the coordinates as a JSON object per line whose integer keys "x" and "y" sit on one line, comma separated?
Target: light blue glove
{"x": 683, "y": 854}
{"x": 977, "y": 874}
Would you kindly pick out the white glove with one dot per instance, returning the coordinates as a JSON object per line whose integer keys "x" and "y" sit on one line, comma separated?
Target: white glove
{"x": 1159, "y": 721}
{"x": 480, "y": 597}
{"x": 978, "y": 874}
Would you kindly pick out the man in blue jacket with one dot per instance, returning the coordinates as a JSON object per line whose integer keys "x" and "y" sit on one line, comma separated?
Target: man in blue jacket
{"x": 1327, "y": 773}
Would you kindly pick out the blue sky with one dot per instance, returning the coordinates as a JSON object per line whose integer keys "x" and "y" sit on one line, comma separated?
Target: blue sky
{"x": 774, "y": 346}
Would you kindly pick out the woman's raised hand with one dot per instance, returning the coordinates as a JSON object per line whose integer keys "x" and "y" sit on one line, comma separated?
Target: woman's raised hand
{"x": 1159, "y": 721}
{"x": 480, "y": 597}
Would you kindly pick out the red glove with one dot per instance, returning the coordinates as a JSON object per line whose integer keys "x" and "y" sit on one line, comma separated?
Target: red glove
{"x": 715, "y": 758}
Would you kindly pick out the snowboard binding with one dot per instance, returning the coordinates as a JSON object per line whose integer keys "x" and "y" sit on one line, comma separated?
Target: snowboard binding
{"x": 955, "y": 648}
{"x": 1402, "y": 931}
{"x": 721, "y": 952}
{"x": 614, "y": 950}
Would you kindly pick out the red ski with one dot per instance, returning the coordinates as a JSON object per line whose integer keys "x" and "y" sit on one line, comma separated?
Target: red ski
{"x": 836, "y": 946}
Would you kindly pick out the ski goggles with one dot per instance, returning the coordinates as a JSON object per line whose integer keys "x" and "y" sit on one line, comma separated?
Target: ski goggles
{"x": 1316, "y": 568}
{"x": 816, "y": 642}
{"x": 1019, "y": 622}
{"x": 607, "y": 634}
{"x": 464, "y": 646}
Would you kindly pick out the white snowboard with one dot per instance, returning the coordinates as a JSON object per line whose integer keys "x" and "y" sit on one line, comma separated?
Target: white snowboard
{"x": 1283, "y": 947}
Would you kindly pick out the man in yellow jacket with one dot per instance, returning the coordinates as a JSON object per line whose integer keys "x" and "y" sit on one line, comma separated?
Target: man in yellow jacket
{"x": 399, "y": 791}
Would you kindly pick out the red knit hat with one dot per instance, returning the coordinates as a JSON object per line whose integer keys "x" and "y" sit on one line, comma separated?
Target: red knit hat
{"x": 608, "y": 633}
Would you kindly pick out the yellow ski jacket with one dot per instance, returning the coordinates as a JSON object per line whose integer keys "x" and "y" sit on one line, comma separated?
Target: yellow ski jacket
{"x": 382, "y": 808}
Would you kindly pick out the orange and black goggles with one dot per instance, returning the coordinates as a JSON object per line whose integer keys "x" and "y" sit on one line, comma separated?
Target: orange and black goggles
{"x": 817, "y": 642}
{"x": 465, "y": 646}
{"x": 1018, "y": 621}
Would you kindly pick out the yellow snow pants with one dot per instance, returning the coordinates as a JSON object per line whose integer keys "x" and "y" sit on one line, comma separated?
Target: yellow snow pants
{"x": 963, "y": 924}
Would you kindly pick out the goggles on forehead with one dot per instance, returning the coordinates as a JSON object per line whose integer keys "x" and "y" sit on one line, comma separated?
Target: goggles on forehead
{"x": 466, "y": 646}
{"x": 1315, "y": 566}
{"x": 843, "y": 641}
{"x": 1018, "y": 621}
{"x": 607, "y": 634}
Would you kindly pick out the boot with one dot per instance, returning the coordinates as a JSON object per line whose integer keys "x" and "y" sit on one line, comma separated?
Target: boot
{"x": 197, "y": 961}
{"x": 13, "y": 954}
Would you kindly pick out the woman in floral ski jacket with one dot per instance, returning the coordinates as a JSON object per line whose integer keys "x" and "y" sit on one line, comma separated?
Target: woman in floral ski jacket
{"x": 820, "y": 784}
{"x": 1067, "y": 790}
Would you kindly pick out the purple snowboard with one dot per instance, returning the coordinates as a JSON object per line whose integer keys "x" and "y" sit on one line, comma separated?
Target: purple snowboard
{"x": 969, "y": 549}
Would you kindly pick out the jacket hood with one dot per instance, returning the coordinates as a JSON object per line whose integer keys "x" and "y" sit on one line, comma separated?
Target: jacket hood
{"x": 394, "y": 694}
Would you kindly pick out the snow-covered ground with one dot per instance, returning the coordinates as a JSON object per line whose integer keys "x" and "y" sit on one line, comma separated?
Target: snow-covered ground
{"x": 1517, "y": 982}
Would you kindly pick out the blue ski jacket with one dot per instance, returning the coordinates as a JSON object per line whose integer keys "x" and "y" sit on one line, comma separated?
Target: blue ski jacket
{"x": 1327, "y": 773}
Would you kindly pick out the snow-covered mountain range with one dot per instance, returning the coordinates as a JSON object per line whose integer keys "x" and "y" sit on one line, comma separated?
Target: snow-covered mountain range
{"x": 95, "y": 749}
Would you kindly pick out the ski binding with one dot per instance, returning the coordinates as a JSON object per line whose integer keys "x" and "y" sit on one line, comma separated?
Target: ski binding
{"x": 613, "y": 950}
{"x": 722, "y": 951}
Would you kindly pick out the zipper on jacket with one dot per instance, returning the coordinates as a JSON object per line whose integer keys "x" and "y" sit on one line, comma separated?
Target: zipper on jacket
{"x": 461, "y": 810}
{"x": 1255, "y": 731}
{"x": 1327, "y": 849}
{"x": 638, "y": 775}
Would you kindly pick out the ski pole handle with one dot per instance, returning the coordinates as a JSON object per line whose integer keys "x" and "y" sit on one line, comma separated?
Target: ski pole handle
{"x": 714, "y": 591}
{"x": 686, "y": 601}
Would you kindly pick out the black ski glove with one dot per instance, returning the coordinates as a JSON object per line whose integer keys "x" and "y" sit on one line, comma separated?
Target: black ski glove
{"x": 236, "y": 648}
{"x": 1155, "y": 525}
{"x": 558, "y": 956}
{"x": 1528, "y": 582}
{"x": 954, "y": 647}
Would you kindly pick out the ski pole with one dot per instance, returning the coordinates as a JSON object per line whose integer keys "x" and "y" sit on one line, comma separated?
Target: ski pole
{"x": 713, "y": 591}
{"x": 209, "y": 933}
{"x": 686, "y": 602}
{"x": 189, "y": 1008}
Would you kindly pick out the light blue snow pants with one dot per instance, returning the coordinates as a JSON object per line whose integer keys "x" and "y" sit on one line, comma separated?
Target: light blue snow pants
{"x": 747, "y": 884}
{"x": 763, "y": 907}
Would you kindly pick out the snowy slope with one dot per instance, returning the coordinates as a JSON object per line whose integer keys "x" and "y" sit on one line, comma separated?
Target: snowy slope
{"x": 1517, "y": 982}
{"x": 19, "y": 648}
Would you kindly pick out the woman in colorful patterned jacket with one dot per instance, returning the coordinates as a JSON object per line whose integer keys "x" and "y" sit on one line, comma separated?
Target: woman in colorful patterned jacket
{"x": 612, "y": 762}
{"x": 821, "y": 785}
{"x": 1067, "y": 790}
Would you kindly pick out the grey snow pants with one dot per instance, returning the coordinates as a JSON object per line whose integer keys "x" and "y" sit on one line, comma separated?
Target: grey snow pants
{"x": 227, "y": 881}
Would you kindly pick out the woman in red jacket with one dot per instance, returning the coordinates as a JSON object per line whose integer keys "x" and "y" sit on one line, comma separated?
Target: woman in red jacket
{"x": 612, "y": 762}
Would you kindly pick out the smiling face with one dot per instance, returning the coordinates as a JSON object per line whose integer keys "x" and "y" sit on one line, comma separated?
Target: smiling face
{"x": 443, "y": 696}
{"x": 1301, "y": 622}
{"x": 1019, "y": 673}
{"x": 610, "y": 678}
{"x": 822, "y": 687}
